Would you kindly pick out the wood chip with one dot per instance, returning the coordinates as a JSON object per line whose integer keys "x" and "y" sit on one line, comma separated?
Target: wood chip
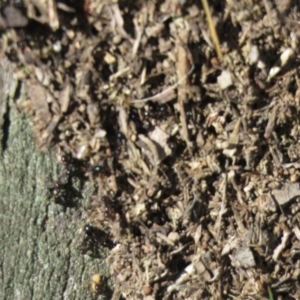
{"x": 288, "y": 193}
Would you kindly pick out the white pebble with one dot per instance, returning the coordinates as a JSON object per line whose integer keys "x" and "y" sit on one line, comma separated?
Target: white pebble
{"x": 224, "y": 80}
{"x": 253, "y": 55}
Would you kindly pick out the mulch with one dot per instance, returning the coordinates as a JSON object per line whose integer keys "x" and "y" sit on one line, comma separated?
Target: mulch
{"x": 194, "y": 151}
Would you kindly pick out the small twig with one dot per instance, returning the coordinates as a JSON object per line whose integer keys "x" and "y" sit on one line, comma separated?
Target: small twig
{"x": 212, "y": 29}
{"x": 223, "y": 205}
{"x": 180, "y": 249}
{"x": 164, "y": 92}
{"x": 182, "y": 97}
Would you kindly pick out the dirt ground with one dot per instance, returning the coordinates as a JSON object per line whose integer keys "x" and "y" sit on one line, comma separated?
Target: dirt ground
{"x": 189, "y": 126}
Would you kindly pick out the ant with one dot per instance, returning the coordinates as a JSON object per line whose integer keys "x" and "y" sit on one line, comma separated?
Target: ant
{"x": 97, "y": 284}
{"x": 95, "y": 237}
{"x": 101, "y": 168}
{"x": 62, "y": 194}
{"x": 96, "y": 170}
{"x": 63, "y": 191}
{"x": 72, "y": 166}
{"x": 157, "y": 111}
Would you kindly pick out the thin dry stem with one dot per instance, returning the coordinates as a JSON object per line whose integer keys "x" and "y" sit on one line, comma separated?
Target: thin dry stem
{"x": 182, "y": 65}
{"x": 164, "y": 92}
{"x": 212, "y": 29}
